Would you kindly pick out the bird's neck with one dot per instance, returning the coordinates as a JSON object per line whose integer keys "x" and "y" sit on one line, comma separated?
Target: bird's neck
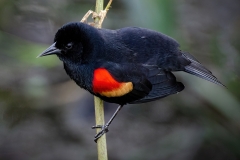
{"x": 82, "y": 74}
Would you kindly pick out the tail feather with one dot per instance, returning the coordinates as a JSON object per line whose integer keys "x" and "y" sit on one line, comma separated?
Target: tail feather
{"x": 197, "y": 69}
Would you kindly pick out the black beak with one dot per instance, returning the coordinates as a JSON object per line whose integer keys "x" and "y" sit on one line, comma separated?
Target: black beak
{"x": 50, "y": 50}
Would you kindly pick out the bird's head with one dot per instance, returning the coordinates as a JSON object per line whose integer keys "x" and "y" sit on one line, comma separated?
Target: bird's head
{"x": 72, "y": 42}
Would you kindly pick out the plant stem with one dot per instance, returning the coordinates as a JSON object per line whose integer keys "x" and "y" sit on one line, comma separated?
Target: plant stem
{"x": 98, "y": 103}
{"x": 101, "y": 142}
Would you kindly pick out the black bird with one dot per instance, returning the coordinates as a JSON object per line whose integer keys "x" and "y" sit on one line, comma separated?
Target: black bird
{"x": 127, "y": 65}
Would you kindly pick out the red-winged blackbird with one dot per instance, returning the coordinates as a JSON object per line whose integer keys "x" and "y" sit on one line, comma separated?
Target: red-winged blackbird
{"x": 128, "y": 65}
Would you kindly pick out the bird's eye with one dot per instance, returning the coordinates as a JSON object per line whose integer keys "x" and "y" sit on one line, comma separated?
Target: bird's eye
{"x": 69, "y": 45}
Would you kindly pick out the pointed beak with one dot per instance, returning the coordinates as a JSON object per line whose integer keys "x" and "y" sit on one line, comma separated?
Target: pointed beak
{"x": 50, "y": 50}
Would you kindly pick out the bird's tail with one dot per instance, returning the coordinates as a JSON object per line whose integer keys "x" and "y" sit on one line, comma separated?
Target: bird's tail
{"x": 197, "y": 69}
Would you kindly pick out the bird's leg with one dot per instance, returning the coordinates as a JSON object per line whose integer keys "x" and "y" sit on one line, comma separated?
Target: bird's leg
{"x": 104, "y": 128}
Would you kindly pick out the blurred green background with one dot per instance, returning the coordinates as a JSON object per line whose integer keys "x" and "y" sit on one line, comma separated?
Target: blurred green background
{"x": 44, "y": 115}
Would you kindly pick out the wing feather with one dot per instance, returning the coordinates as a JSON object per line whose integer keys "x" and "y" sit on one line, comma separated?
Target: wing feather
{"x": 163, "y": 84}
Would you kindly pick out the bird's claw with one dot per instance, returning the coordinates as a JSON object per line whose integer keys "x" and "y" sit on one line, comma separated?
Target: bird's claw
{"x": 104, "y": 129}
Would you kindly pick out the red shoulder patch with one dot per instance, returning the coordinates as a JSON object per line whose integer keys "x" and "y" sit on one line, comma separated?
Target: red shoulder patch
{"x": 105, "y": 85}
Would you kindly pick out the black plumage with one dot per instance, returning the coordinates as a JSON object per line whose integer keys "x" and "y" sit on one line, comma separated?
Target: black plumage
{"x": 139, "y": 61}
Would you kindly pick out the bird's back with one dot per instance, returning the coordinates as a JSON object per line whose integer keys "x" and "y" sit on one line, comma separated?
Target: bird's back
{"x": 144, "y": 46}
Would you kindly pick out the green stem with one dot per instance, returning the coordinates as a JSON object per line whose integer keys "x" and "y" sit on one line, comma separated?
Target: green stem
{"x": 98, "y": 103}
{"x": 101, "y": 142}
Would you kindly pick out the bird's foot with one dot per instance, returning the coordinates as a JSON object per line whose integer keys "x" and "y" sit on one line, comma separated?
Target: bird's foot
{"x": 104, "y": 129}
